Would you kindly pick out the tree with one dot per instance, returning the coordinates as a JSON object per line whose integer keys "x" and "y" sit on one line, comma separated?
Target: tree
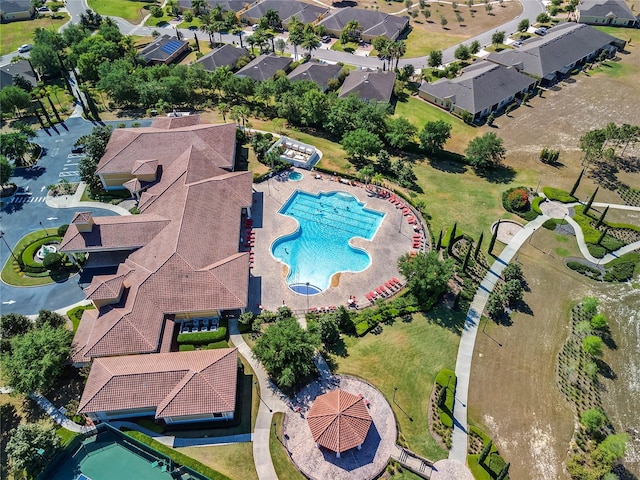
{"x": 199, "y": 6}
{"x": 443, "y": 21}
{"x": 498, "y": 37}
{"x": 495, "y": 305}
{"x": 351, "y": 32}
{"x": 485, "y": 452}
{"x": 505, "y": 470}
{"x": 587, "y": 207}
{"x": 523, "y": 26}
{"x": 592, "y": 345}
{"x": 434, "y": 135}
{"x": 14, "y": 146}
{"x": 296, "y": 35}
{"x": 485, "y": 151}
{"x": 310, "y": 39}
{"x": 601, "y": 219}
{"x": 37, "y": 359}
{"x": 488, "y": 7}
{"x": 512, "y": 291}
{"x": 400, "y": 132}
{"x": 11, "y": 325}
{"x": 329, "y": 330}
{"x": 30, "y": 447}
{"x": 361, "y": 143}
{"x": 592, "y": 419}
{"x": 6, "y": 170}
{"x": 280, "y": 46}
{"x": 426, "y": 13}
{"x": 53, "y": 319}
{"x": 474, "y": 47}
{"x": 513, "y": 271}
{"x": 543, "y": 18}
{"x": 577, "y": 183}
{"x": 590, "y": 306}
{"x": 13, "y": 98}
{"x": 95, "y": 145}
{"x": 462, "y": 52}
{"x": 612, "y": 449}
{"x": 599, "y": 321}
{"x": 426, "y": 275}
{"x": 287, "y": 350}
{"x": 435, "y": 58}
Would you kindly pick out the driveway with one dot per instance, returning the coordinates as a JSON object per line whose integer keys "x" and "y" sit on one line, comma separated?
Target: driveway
{"x": 22, "y": 215}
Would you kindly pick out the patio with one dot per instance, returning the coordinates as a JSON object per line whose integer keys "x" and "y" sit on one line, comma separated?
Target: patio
{"x": 268, "y": 288}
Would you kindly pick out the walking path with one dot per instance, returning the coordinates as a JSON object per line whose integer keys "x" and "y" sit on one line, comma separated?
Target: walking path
{"x": 271, "y": 400}
{"x": 58, "y": 416}
{"x": 70, "y": 201}
{"x": 458, "y": 450}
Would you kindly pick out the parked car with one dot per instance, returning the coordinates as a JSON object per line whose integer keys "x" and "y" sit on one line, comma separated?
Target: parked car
{"x": 542, "y": 31}
{"x": 43, "y": 9}
{"x": 25, "y": 48}
{"x": 326, "y": 39}
{"x": 517, "y": 43}
{"x": 78, "y": 149}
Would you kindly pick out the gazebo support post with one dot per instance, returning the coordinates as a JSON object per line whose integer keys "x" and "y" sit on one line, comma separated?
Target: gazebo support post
{"x": 337, "y": 454}
{"x": 359, "y": 447}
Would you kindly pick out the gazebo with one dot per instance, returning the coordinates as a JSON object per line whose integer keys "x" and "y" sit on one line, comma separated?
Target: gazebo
{"x": 339, "y": 421}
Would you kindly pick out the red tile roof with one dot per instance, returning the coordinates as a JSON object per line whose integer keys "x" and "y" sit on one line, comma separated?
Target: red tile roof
{"x": 339, "y": 420}
{"x": 185, "y": 240}
{"x": 176, "y": 384}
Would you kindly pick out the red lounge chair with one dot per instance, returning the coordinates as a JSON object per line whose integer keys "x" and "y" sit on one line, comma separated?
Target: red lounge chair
{"x": 395, "y": 280}
{"x": 389, "y": 285}
{"x": 406, "y": 211}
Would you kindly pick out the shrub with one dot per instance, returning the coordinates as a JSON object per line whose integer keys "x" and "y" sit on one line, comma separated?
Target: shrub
{"x": 550, "y": 224}
{"x": 558, "y": 195}
{"x": 75, "y": 314}
{"x": 52, "y": 261}
{"x": 62, "y": 229}
{"x": 186, "y": 348}
{"x": 620, "y": 272}
{"x": 362, "y": 328}
{"x": 202, "y": 338}
{"x": 28, "y": 254}
{"x": 584, "y": 269}
{"x": 596, "y": 250}
{"x": 535, "y": 205}
{"x": 188, "y": 17}
{"x": 518, "y": 199}
{"x": 220, "y": 344}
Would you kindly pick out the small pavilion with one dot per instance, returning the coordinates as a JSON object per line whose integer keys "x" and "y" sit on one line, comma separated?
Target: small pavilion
{"x": 339, "y": 421}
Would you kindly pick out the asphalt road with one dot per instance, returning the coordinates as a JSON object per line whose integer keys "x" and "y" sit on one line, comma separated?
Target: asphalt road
{"x": 26, "y": 214}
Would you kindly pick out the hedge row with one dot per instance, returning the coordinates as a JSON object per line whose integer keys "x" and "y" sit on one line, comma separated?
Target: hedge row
{"x": 535, "y": 205}
{"x": 202, "y": 338}
{"x": 177, "y": 457}
{"x": 558, "y": 195}
{"x": 29, "y": 265}
{"x": 583, "y": 269}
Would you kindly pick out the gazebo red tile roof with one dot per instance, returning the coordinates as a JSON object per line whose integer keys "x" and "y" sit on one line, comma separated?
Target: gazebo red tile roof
{"x": 339, "y": 421}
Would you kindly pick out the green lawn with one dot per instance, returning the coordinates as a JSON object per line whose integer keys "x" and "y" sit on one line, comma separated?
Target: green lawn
{"x": 234, "y": 460}
{"x": 15, "y": 34}
{"x": 344, "y": 47}
{"x": 131, "y": 10}
{"x": 419, "y": 112}
{"x": 420, "y": 43}
{"x": 407, "y": 355}
{"x": 162, "y": 21}
{"x": 281, "y": 462}
{"x": 615, "y": 69}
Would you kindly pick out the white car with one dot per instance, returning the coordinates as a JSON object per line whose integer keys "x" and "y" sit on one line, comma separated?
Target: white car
{"x": 24, "y": 48}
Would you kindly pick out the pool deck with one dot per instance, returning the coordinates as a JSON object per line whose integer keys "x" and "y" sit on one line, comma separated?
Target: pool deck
{"x": 267, "y": 287}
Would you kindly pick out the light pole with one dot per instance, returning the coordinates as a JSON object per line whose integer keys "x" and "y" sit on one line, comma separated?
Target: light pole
{"x": 260, "y": 396}
{"x": 307, "y": 296}
{"x": 395, "y": 390}
{"x": 5, "y": 242}
{"x": 43, "y": 229}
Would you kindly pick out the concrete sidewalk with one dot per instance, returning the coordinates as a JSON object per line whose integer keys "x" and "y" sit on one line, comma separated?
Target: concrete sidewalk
{"x": 271, "y": 400}
{"x": 458, "y": 450}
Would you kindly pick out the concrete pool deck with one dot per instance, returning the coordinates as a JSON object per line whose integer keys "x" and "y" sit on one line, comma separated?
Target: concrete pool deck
{"x": 268, "y": 288}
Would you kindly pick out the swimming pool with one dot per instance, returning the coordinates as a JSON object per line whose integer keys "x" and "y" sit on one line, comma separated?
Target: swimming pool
{"x": 295, "y": 176}
{"x": 320, "y": 247}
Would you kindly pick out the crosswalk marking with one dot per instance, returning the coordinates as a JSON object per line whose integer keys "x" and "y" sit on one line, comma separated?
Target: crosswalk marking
{"x": 73, "y": 173}
{"x": 28, "y": 199}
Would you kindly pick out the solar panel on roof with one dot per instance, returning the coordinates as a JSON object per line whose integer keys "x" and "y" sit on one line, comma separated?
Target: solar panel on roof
{"x": 171, "y": 47}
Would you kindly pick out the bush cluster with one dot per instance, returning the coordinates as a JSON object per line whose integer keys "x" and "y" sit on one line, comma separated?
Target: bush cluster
{"x": 584, "y": 269}
{"x": 518, "y": 199}
{"x": 203, "y": 338}
{"x": 29, "y": 265}
{"x": 559, "y": 195}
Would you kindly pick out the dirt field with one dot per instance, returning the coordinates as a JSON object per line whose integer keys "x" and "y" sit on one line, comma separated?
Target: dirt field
{"x": 567, "y": 112}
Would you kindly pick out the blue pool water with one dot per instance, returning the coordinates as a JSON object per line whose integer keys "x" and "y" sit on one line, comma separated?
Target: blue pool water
{"x": 295, "y": 176}
{"x": 320, "y": 248}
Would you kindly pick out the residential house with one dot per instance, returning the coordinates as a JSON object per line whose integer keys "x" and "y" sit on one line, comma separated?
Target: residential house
{"x": 605, "y": 12}
{"x": 264, "y": 67}
{"x": 287, "y": 9}
{"x": 14, "y": 10}
{"x": 369, "y": 85}
{"x": 164, "y": 49}
{"x": 318, "y": 72}
{"x": 372, "y": 22}
{"x": 224, "y": 56}
{"x": 176, "y": 388}
{"x": 481, "y": 89}
{"x": 562, "y": 49}
{"x": 20, "y": 68}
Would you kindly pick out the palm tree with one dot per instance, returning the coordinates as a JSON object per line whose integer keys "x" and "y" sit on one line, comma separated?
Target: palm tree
{"x": 399, "y": 48}
{"x": 296, "y": 35}
{"x": 381, "y": 45}
{"x": 237, "y": 30}
{"x": 269, "y": 35}
{"x": 310, "y": 40}
{"x": 198, "y": 6}
{"x": 252, "y": 40}
{"x": 224, "y": 108}
{"x": 351, "y": 32}
{"x": 173, "y": 6}
{"x": 206, "y": 24}
{"x": 273, "y": 18}
{"x": 55, "y": 90}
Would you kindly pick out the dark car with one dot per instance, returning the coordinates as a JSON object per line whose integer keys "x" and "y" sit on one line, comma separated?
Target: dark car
{"x": 78, "y": 149}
